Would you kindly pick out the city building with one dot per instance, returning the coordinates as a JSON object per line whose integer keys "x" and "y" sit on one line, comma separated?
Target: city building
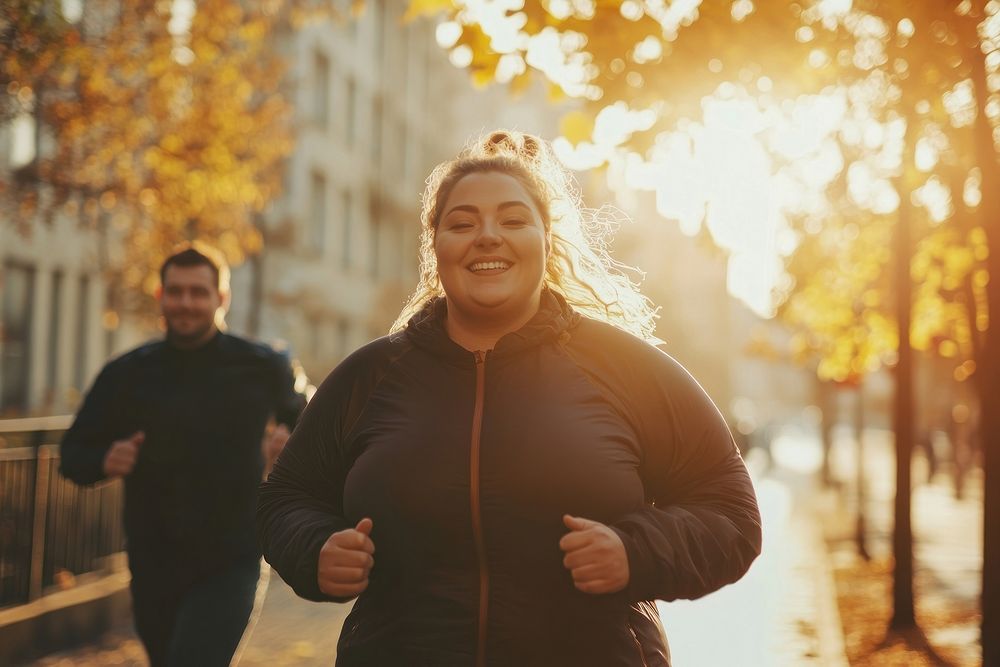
{"x": 377, "y": 105}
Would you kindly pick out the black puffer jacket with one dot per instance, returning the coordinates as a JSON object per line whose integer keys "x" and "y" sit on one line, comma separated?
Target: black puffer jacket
{"x": 466, "y": 464}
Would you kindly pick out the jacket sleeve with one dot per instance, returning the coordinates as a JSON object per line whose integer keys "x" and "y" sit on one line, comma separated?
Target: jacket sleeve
{"x": 86, "y": 442}
{"x": 289, "y": 402}
{"x": 701, "y": 528}
{"x": 301, "y": 503}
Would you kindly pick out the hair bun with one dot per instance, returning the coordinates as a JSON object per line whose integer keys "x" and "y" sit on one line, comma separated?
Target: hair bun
{"x": 531, "y": 147}
{"x": 503, "y": 142}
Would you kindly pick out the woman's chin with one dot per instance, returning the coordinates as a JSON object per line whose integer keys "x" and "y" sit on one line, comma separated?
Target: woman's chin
{"x": 501, "y": 308}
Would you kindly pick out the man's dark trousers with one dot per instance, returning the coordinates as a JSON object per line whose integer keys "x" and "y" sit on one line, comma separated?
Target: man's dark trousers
{"x": 198, "y": 624}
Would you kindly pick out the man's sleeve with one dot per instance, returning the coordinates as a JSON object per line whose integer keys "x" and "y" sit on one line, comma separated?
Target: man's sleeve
{"x": 290, "y": 402}
{"x": 88, "y": 439}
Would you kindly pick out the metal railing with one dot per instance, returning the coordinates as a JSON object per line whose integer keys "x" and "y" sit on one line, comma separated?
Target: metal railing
{"x": 50, "y": 529}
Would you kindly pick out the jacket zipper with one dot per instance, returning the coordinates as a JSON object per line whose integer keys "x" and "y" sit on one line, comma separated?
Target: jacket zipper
{"x": 477, "y": 521}
{"x": 638, "y": 645}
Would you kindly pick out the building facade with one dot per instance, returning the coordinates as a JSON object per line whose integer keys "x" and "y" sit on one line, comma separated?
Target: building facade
{"x": 377, "y": 105}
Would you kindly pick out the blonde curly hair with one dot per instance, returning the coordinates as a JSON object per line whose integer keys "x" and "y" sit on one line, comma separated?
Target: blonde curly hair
{"x": 579, "y": 266}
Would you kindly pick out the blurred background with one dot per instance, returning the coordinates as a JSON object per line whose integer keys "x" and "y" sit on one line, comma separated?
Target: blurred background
{"x": 794, "y": 182}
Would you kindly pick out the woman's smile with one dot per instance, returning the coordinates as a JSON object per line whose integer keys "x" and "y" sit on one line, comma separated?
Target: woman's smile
{"x": 490, "y": 267}
{"x": 491, "y": 250}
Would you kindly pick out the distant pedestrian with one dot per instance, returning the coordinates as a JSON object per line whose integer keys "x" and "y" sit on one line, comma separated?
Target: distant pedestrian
{"x": 509, "y": 478}
{"x": 183, "y": 421}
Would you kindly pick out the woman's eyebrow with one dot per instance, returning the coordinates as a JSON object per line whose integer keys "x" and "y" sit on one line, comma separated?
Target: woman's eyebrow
{"x": 508, "y": 204}
{"x": 469, "y": 208}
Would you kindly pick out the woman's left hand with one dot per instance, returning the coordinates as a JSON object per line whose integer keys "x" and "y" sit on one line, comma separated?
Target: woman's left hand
{"x": 595, "y": 556}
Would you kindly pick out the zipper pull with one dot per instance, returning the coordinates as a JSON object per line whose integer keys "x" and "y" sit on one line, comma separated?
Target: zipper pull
{"x": 480, "y": 356}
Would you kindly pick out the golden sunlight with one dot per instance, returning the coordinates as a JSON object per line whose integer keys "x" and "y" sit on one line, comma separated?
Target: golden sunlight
{"x": 720, "y": 173}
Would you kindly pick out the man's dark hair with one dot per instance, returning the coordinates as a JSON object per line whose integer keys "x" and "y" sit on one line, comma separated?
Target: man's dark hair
{"x": 189, "y": 256}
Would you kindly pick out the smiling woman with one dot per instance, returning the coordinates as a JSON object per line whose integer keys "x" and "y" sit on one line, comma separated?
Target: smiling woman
{"x": 576, "y": 262}
{"x": 507, "y": 478}
{"x": 491, "y": 246}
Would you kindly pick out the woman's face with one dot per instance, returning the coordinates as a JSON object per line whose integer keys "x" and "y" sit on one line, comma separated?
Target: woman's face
{"x": 491, "y": 248}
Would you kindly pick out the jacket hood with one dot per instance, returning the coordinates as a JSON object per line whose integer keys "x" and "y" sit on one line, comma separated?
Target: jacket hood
{"x": 554, "y": 320}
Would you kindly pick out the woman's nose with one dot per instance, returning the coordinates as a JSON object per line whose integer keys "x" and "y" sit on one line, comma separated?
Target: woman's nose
{"x": 489, "y": 235}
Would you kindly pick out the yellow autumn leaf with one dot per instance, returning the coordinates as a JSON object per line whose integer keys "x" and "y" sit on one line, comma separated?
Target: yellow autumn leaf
{"x": 481, "y": 78}
{"x": 419, "y": 8}
{"x": 576, "y": 126}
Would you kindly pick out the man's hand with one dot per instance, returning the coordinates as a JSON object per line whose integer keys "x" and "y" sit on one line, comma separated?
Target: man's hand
{"x": 595, "y": 556}
{"x": 275, "y": 444}
{"x": 121, "y": 456}
{"x": 346, "y": 560}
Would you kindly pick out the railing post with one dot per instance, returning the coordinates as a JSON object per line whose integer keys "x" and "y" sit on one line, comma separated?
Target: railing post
{"x": 39, "y": 515}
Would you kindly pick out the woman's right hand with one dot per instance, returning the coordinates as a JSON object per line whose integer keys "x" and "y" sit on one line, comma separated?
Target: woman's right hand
{"x": 345, "y": 561}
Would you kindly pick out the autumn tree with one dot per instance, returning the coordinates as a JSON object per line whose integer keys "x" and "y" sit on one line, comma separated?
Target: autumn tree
{"x": 667, "y": 58}
{"x": 31, "y": 35}
{"x": 160, "y": 127}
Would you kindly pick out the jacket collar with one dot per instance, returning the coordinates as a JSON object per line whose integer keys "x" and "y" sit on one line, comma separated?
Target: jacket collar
{"x": 210, "y": 348}
{"x": 554, "y": 321}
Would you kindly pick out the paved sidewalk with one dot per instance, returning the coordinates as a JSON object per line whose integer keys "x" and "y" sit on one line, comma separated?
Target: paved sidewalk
{"x": 783, "y": 612}
{"x": 288, "y": 631}
{"x": 293, "y": 632}
{"x": 947, "y": 536}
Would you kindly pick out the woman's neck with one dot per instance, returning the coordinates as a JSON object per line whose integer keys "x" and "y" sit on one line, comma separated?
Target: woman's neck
{"x": 477, "y": 334}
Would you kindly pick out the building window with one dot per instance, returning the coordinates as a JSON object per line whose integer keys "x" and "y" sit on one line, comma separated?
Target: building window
{"x": 403, "y": 260}
{"x": 55, "y": 328}
{"x": 352, "y": 23}
{"x": 343, "y": 336}
{"x": 347, "y": 222}
{"x": 82, "y": 333}
{"x": 401, "y": 58}
{"x": 378, "y": 13}
{"x": 72, "y": 10}
{"x": 350, "y": 118}
{"x": 376, "y": 143}
{"x": 321, "y": 90}
{"x": 317, "y": 213}
{"x": 316, "y": 339}
{"x": 401, "y": 148}
{"x": 23, "y": 143}
{"x": 15, "y": 336}
{"x": 376, "y": 242}
{"x": 110, "y": 339}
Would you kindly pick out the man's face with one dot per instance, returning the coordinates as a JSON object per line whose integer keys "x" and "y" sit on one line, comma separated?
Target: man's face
{"x": 189, "y": 301}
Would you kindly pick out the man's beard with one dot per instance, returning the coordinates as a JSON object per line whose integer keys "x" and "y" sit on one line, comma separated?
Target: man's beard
{"x": 195, "y": 336}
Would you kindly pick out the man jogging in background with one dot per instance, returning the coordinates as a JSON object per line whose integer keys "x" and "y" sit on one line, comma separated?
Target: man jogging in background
{"x": 182, "y": 421}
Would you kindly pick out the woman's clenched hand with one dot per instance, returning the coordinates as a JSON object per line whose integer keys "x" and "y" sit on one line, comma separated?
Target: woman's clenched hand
{"x": 595, "y": 556}
{"x": 346, "y": 560}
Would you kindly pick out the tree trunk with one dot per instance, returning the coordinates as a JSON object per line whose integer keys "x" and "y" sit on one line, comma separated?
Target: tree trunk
{"x": 902, "y": 535}
{"x": 988, "y": 366}
{"x": 826, "y": 410}
{"x": 860, "y": 528}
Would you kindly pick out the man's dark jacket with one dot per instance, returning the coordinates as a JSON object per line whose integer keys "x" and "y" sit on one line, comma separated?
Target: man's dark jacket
{"x": 190, "y": 500}
{"x": 466, "y": 464}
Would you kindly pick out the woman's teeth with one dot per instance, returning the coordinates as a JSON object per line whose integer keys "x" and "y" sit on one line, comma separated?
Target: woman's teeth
{"x": 486, "y": 266}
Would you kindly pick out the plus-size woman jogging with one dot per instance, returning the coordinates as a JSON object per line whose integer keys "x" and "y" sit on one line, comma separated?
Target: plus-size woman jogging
{"x": 514, "y": 475}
